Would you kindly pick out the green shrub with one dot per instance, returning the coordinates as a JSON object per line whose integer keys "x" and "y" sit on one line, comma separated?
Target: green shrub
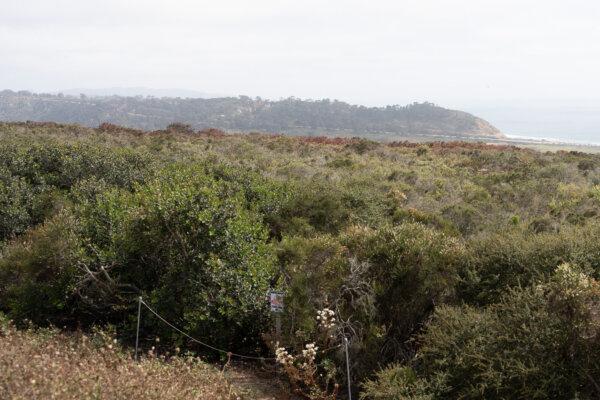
{"x": 496, "y": 263}
{"x": 318, "y": 273}
{"x": 36, "y": 176}
{"x": 401, "y": 215}
{"x": 193, "y": 247}
{"x": 314, "y": 269}
{"x": 39, "y": 272}
{"x": 190, "y": 244}
{"x": 62, "y": 165}
{"x": 16, "y": 205}
{"x": 412, "y": 268}
{"x": 398, "y": 383}
{"x": 178, "y": 127}
{"x": 362, "y": 145}
{"x": 466, "y": 218}
{"x": 322, "y": 206}
{"x": 537, "y": 343}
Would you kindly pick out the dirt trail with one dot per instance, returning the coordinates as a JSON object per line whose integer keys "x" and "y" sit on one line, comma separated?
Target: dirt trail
{"x": 257, "y": 383}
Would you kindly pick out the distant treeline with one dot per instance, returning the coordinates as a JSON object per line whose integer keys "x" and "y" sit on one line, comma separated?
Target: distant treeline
{"x": 290, "y": 116}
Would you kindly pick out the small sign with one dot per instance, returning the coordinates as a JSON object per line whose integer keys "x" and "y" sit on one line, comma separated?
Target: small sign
{"x": 276, "y": 301}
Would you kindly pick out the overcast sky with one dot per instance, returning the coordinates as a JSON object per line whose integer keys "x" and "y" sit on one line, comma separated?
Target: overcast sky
{"x": 458, "y": 53}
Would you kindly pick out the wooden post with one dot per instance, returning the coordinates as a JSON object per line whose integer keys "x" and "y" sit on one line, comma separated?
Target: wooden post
{"x": 278, "y": 325}
{"x": 348, "y": 369}
{"x": 137, "y": 334}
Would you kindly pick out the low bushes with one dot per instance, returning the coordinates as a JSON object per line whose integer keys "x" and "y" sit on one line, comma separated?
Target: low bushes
{"x": 411, "y": 269}
{"x": 190, "y": 244}
{"x": 495, "y": 263}
{"x": 537, "y": 342}
{"x": 40, "y": 271}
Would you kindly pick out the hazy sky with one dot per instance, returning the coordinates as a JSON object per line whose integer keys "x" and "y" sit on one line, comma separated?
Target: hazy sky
{"x": 459, "y": 53}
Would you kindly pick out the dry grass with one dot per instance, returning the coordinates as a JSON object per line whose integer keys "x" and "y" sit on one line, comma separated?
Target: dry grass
{"x": 50, "y": 365}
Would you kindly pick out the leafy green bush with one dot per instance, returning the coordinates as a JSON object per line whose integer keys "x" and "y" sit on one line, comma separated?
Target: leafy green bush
{"x": 322, "y": 207}
{"x": 398, "y": 383}
{"x": 61, "y": 165}
{"x": 538, "y": 342}
{"x": 16, "y": 205}
{"x": 401, "y": 215}
{"x": 35, "y": 177}
{"x": 192, "y": 246}
{"x": 412, "y": 268}
{"x": 466, "y": 218}
{"x": 39, "y": 272}
{"x": 499, "y": 262}
{"x": 496, "y": 263}
{"x": 321, "y": 273}
{"x": 314, "y": 269}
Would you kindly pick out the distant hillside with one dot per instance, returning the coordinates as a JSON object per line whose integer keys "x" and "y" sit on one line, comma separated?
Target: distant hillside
{"x": 139, "y": 91}
{"x": 291, "y": 116}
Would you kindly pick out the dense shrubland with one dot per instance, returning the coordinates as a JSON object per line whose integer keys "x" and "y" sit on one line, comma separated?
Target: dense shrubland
{"x": 457, "y": 270}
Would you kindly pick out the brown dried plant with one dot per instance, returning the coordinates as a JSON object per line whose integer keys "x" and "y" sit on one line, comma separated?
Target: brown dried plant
{"x": 50, "y": 365}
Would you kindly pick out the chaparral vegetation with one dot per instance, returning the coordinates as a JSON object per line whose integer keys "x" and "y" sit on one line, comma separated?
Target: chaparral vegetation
{"x": 456, "y": 270}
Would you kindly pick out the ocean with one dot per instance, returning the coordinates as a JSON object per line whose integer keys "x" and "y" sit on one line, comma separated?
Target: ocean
{"x": 568, "y": 124}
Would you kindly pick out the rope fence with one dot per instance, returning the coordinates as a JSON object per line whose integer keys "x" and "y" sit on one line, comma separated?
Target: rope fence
{"x": 228, "y": 353}
{"x": 193, "y": 339}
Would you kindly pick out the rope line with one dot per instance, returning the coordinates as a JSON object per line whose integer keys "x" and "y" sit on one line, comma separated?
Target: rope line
{"x": 201, "y": 342}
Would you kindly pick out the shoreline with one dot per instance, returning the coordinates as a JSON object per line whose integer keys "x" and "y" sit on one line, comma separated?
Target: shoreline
{"x": 550, "y": 141}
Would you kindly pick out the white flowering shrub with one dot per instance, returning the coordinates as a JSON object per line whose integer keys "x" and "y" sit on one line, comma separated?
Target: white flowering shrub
{"x": 326, "y": 319}
{"x": 309, "y": 378}
{"x": 572, "y": 282}
{"x": 576, "y": 296}
{"x": 283, "y": 357}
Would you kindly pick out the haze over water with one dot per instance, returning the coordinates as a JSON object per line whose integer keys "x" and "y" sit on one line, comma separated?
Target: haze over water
{"x": 571, "y": 124}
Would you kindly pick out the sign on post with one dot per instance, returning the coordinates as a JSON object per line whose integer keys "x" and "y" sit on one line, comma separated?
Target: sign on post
{"x": 276, "y": 301}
